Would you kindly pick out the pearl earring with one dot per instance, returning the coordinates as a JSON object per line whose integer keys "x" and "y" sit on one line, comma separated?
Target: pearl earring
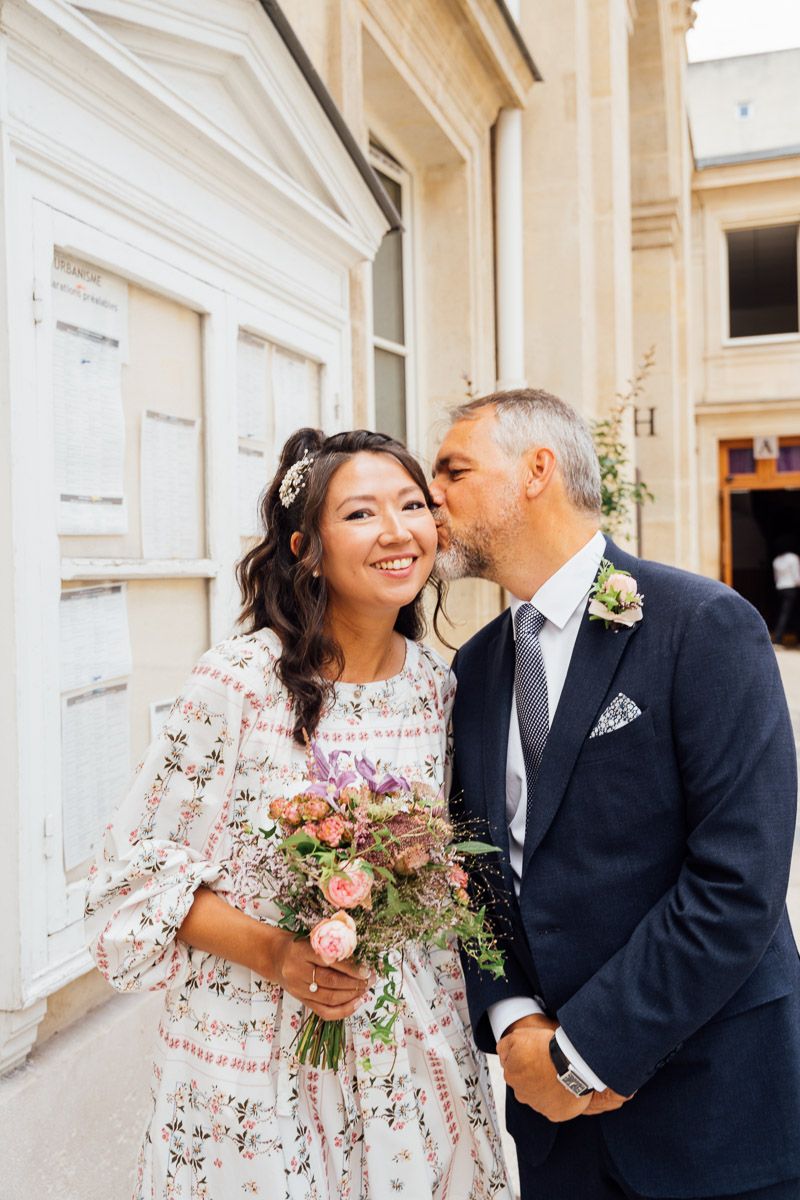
{"x": 315, "y": 573}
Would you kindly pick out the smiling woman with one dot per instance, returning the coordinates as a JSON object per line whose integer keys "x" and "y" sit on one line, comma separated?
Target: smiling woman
{"x": 188, "y": 896}
{"x": 340, "y": 573}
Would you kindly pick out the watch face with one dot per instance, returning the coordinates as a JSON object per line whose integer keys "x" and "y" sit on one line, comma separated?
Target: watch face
{"x": 574, "y": 1083}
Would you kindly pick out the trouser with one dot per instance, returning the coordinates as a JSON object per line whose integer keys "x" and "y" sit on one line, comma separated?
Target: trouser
{"x": 579, "y": 1167}
{"x": 789, "y": 597}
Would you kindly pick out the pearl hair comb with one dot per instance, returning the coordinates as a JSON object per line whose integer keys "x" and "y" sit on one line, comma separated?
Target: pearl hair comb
{"x": 294, "y": 480}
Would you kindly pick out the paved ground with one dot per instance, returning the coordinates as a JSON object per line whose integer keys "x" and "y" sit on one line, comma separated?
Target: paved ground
{"x": 789, "y": 663}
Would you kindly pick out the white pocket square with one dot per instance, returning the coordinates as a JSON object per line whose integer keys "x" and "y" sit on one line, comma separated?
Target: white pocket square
{"x": 620, "y": 712}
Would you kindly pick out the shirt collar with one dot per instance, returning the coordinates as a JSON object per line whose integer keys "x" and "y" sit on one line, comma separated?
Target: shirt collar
{"x": 560, "y": 595}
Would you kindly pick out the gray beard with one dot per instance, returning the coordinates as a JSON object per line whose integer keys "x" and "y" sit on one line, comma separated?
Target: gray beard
{"x": 464, "y": 560}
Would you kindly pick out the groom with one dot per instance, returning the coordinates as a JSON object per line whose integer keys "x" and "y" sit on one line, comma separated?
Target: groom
{"x": 638, "y": 774}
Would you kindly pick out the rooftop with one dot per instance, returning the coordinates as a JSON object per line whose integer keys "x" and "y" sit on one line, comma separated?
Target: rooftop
{"x": 745, "y": 108}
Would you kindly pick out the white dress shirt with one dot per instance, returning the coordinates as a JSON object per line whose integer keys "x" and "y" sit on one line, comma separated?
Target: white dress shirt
{"x": 562, "y": 600}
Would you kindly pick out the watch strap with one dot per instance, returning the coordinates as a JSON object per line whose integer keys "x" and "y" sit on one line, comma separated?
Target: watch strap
{"x": 568, "y": 1077}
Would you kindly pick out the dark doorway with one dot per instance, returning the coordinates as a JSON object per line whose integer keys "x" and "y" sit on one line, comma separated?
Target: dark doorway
{"x": 763, "y": 524}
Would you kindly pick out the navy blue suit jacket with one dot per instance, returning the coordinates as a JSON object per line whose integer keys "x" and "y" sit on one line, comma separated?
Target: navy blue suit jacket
{"x": 651, "y": 918}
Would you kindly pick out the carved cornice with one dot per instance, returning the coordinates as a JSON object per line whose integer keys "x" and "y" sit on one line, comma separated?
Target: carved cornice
{"x": 656, "y": 224}
{"x": 683, "y": 15}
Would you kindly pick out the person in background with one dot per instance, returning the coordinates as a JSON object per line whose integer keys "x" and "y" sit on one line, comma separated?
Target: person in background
{"x": 786, "y": 570}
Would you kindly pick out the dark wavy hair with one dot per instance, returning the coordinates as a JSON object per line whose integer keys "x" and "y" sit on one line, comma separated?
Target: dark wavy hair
{"x": 280, "y": 590}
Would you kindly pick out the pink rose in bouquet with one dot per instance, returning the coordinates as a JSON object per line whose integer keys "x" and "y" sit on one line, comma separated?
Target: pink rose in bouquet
{"x": 314, "y": 808}
{"x": 334, "y": 939}
{"x": 366, "y": 862}
{"x": 282, "y": 809}
{"x": 349, "y": 889}
{"x": 458, "y": 877}
{"x": 334, "y": 830}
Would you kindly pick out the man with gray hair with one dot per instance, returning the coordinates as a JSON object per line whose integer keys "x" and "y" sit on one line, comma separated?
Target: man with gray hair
{"x": 622, "y": 732}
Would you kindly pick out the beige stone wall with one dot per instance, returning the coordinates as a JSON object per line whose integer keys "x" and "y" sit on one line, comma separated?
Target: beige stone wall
{"x": 744, "y": 387}
{"x": 742, "y": 369}
{"x": 661, "y": 198}
{"x": 560, "y": 311}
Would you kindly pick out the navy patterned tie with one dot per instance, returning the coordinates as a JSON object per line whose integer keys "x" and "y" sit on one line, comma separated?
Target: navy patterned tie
{"x": 530, "y": 690}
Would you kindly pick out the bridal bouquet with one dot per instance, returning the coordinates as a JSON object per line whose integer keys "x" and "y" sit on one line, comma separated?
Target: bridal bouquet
{"x": 365, "y": 864}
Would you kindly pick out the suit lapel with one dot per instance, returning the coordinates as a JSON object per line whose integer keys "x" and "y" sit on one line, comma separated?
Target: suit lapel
{"x": 499, "y": 688}
{"x": 595, "y": 658}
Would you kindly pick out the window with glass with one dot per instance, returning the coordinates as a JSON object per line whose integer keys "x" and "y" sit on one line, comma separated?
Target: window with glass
{"x": 762, "y": 280}
{"x": 390, "y": 294}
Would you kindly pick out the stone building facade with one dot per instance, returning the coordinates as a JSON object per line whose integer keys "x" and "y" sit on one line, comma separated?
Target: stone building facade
{"x": 745, "y": 122}
{"x": 351, "y": 212}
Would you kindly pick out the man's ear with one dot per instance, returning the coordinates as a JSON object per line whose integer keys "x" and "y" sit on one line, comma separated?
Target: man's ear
{"x": 540, "y": 466}
{"x": 295, "y": 542}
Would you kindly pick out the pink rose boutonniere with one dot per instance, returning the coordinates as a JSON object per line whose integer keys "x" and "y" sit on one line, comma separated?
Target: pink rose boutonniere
{"x": 614, "y": 598}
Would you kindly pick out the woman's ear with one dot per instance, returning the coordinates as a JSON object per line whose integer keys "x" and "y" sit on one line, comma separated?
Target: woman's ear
{"x": 295, "y": 542}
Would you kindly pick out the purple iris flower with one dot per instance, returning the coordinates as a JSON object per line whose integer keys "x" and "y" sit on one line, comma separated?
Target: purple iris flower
{"x": 389, "y": 783}
{"x": 325, "y": 770}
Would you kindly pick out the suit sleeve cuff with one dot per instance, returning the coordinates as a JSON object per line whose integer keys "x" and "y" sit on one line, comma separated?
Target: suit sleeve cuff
{"x": 581, "y": 1066}
{"x": 503, "y": 1013}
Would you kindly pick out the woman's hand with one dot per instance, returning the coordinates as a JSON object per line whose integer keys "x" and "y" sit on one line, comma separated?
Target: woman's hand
{"x": 217, "y": 927}
{"x": 294, "y": 966}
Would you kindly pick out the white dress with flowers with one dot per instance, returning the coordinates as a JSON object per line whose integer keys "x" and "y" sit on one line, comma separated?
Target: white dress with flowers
{"x": 233, "y": 1113}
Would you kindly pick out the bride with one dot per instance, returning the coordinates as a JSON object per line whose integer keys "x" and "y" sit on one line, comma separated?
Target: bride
{"x": 333, "y": 600}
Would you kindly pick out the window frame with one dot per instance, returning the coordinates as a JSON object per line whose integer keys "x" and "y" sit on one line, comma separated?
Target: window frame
{"x": 383, "y": 160}
{"x": 756, "y": 339}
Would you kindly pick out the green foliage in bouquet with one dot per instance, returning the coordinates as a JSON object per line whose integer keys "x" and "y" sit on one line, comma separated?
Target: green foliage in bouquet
{"x": 363, "y": 865}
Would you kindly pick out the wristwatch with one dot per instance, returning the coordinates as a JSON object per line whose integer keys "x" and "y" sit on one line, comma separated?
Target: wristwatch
{"x": 568, "y": 1077}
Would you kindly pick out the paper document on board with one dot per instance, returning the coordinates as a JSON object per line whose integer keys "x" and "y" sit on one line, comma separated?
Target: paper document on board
{"x": 94, "y": 637}
{"x": 89, "y": 431}
{"x": 171, "y": 487}
{"x": 95, "y": 765}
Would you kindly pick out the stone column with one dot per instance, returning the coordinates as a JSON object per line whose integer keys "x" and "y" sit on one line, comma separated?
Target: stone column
{"x": 661, "y": 192}
{"x": 559, "y": 266}
{"x": 510, "y": 293}
{"x": 610, "y": 25}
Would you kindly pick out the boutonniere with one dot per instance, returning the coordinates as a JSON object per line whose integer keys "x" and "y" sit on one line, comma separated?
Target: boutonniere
{"x": 614, "y": 598}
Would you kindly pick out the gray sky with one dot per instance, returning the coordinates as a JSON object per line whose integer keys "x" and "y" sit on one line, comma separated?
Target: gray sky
{"x": 728, "y": 27}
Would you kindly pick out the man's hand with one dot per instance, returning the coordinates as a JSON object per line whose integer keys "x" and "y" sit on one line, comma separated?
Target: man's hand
{"x": 607, "y": 1101}
{"x": 524, "y": 1052}
{"x": 533, "y": 1021}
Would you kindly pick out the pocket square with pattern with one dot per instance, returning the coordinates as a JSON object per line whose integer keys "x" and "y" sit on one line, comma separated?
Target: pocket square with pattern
{"x": 620, "y": 712}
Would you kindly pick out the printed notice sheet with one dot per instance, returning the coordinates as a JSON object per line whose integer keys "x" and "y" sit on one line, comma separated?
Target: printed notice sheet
{"x": 89, "y": 297}
{"x": 252, "y": 472}
{"x": 95, "y": 765}
{"x": 89, "y": 425}
{"x": 95, "y": 642}
{"x": 170, "y": 487}
{"x": 252, "y": 403}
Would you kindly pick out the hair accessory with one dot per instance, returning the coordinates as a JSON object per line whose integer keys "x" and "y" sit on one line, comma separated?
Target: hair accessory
{"x": 294, "y": 480}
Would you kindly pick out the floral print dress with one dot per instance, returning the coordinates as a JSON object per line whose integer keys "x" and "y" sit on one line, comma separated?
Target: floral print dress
{"x": 234, "y": 1115}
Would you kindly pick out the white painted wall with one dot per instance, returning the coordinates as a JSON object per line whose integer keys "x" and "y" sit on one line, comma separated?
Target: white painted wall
{"x": 143, "y": 170}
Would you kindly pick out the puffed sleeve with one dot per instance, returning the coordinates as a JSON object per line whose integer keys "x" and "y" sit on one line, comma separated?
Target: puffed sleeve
{"x": 166, "y": 837}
